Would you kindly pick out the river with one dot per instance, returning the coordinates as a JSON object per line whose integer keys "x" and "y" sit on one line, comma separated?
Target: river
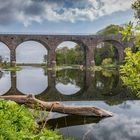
{"x": 76, "y": 87}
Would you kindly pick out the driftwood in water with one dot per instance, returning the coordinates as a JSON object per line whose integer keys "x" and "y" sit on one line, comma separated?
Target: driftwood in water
{"x": 32, "y": 102}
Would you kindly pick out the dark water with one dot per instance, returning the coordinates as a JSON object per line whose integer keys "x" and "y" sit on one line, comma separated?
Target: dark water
{"x": 75, "y": 87}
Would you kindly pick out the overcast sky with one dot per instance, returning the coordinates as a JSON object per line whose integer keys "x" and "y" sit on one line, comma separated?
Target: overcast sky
{"x": 62, "y": 16}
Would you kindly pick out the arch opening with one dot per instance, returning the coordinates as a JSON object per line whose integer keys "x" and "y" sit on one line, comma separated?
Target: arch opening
{"x": 70, "y": 53}
{"x": 108, "y": 52}
{"x": 4, "y": 53}
{"x": 31, "y": 52}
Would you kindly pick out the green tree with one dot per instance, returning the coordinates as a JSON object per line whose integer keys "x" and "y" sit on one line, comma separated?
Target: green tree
{"x": 111, "y": 29}
{"x": 136, "y": 7}
{"x": 130, "y": 71}
{"x": 70, "y": 56}
{"x": 107, "y": 49}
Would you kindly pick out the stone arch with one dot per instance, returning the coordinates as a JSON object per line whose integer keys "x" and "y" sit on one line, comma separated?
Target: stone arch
{"x": 77, "y": 42}
{"x": 38, "y": 43}
{"x": 5, "y": 42}
{"x": 5, "y": 81}
{"x": 6, "y": 47}
{"x": 38, "y": 40}
{"x": 119, "y": 47}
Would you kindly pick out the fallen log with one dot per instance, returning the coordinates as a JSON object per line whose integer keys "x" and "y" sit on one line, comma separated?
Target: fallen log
{"x": 32, "y": 102}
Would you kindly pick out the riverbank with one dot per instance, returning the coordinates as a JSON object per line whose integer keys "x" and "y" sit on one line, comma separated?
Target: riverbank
{"x": 18, "y": 67}
{"x": 17, "y": 122}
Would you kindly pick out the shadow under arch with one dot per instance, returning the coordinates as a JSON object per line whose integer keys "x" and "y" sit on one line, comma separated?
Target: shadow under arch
{"x": 52, "y": 94}
{"x": 117, "y": 45}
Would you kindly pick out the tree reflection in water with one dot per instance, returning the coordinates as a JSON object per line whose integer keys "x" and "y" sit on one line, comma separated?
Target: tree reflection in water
{"x": 69, "y": 81}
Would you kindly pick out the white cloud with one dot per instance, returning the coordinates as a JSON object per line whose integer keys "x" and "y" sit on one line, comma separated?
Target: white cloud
{"x": 30, "y": 11}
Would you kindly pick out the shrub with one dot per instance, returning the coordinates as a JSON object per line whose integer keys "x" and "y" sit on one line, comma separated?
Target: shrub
{"x": 130, "y": 71}
{"x": 17, "y": 123}
{"x": 107, "y": 61}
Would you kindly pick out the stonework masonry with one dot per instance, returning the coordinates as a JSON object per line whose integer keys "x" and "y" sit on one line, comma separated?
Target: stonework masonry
{"x": 51, "y": 42}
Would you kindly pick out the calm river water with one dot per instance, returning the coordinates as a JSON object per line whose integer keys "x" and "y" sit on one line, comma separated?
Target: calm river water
{"x": 75, "y": 87}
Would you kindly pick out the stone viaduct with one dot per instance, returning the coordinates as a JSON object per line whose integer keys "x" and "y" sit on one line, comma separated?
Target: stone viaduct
{"x": 50, "y": 42}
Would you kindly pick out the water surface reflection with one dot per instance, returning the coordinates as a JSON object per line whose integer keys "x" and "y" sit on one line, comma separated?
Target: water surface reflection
{"x": 5, "y": 82}
{"x": 68, "y": 82}
{"x": 75, "y": 87}
{"x": 31, "y": 80}
{"x": 124, "y": 125}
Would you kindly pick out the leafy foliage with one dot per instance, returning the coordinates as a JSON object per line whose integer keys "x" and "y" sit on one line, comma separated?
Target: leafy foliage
{"x": 107, "y": 61}
{"x": 136, "y": 7}
{"x": 17, "y": 123}
{"x": 70, "y": 56}
{"x": 103, "y": 52}
{"x": 130, "y": 71}
{"x": 127, "y": 31}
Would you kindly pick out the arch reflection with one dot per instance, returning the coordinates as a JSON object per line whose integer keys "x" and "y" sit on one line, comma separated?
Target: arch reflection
{"x": 32, "y": 80}
{"x": 69, "y": 82}
{"x": 5, "y": 82}
{"x": 106, "y": 81}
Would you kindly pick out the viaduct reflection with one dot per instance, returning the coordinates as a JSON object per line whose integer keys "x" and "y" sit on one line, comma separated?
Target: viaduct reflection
{"x": 93, "y": 86}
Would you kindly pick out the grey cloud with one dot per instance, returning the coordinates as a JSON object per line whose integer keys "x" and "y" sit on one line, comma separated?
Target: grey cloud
{"x": 117, "y": 128}
{"x": 30, "y": 11}
{"x": 34, "y": 9}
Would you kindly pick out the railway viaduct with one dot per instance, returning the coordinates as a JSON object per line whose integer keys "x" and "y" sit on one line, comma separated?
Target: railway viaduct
{"x": 50, "y": 42}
